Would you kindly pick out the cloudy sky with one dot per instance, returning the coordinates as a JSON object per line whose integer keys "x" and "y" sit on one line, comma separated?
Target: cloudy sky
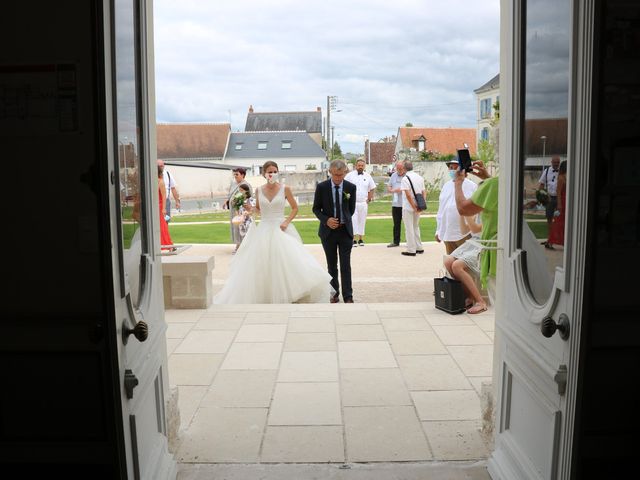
{"x": 387, "y": 62}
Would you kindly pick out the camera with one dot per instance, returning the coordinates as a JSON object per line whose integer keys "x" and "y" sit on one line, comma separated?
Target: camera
{"x": 464, "y": 160}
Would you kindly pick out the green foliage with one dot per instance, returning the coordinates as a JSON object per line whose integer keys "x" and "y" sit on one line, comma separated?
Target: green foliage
{"x": 486, "y": 151}
{"x": 311, "y": 166}
{"x": 408, "y": 124}
{"x": 337, "y": 151}
{"x": 496, "y": 115}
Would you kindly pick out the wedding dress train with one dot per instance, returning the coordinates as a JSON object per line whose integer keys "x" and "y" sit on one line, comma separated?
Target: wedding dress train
{"x": 273, "y": 266}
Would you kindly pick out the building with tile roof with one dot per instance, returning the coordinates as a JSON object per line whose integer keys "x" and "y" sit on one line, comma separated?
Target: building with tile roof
{"x": 291, "y": 150}
{"x": 310, "y": 122}
{"x": 443, "y": 141}
{"x": 192, "y": 141}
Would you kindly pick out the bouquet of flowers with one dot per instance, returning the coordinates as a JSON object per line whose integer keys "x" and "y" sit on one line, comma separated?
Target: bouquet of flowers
{"x": 238, "y": 200}
{"x": 542, "y": 196}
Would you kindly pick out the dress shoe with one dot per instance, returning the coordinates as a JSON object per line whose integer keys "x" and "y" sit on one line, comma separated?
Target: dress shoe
{"x": 361, "y": 243}
{"x": 393, "y": 245}
{"x": 419, "y": 251}
{"x": 334, "y": 299}
{"x": 349, "y": 300}
{"x": 355, "y": 243}
{"x": 408, "y": 254}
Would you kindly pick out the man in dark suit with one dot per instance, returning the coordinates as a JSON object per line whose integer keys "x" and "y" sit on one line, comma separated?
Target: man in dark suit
{"x": 334, "y": 203}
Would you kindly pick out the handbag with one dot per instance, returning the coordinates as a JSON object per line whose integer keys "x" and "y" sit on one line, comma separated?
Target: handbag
{"x": 421, "y": 203}
{"x": 449, "y": 295}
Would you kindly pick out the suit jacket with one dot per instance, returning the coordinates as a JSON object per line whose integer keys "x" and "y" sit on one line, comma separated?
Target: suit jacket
{"x": 323, "y": 205}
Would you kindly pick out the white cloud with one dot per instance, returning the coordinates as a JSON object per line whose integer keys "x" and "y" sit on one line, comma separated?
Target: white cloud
{"x": 387, "y": 62}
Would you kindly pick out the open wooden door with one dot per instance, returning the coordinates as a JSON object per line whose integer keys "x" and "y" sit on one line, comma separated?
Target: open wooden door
{"x": 134, "y": 212}
{"x": 545, "y": 112}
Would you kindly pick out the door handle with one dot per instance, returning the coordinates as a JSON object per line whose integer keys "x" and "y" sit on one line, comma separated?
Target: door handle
{"x": 548, "y": 326}
{"x": 140, "y": 331}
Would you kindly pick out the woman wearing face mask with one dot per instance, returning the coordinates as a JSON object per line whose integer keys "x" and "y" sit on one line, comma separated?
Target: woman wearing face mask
{"x": 272, "y": 265}
{"x": 448, "y": 219}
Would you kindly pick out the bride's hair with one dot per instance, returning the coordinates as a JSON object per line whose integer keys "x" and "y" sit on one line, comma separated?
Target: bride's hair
{"x": 267, "y": 164}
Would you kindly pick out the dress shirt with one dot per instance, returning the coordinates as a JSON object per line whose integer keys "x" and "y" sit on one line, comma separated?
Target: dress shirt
{"x": 395, "y": 181}
{"x": 363, "y": 182}
{"x": 448, "y": 218}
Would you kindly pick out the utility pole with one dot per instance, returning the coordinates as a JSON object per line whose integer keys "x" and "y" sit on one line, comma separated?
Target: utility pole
{"x": 328, "y": 140}
{"x": 332, "y": 144}
{"x": 331, "y": 105}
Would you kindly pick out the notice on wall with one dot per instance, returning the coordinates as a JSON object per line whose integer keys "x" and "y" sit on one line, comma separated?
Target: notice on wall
{"x": 38, "y": 100}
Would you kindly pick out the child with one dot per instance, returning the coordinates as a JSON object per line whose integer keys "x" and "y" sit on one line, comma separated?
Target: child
{"x": 245, "y": 210}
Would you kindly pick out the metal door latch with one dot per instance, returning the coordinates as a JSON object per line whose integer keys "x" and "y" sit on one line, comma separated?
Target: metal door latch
{"x": 130, "y": 382}
{"x": 561, "y": 379}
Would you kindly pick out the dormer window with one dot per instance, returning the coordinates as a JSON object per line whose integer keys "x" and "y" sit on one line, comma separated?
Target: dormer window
{"x": 239, "y": 146}
{"x": 421, "y": 143}
{"x": 262, "y": 145}
{"x": 286, "y": 144}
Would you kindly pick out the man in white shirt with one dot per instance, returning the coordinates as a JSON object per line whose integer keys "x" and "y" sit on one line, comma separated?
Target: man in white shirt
{"x": 448, "y": 219}
{"x": 549, "y": 181}
{"x": 412, "y": 182}
{"x": 394, "y": 187}
{"x": 364, "y": 194}
{"x": 170, "y": 185}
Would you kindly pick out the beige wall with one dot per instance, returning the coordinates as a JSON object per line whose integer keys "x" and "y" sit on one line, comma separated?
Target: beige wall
{"x": 195, "y": 182}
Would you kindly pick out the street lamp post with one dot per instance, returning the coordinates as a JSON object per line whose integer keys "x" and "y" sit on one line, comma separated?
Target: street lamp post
{"x": 124, "y": 157}
{"x": 544, "y": 144}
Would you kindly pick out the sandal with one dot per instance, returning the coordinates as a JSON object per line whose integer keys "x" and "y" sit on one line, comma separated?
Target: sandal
{"x": 468, "y": 303}
{"x": 477, "y": 308}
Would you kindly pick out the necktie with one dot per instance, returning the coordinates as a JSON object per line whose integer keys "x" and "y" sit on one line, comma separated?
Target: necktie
{"x": 337, "y": 203}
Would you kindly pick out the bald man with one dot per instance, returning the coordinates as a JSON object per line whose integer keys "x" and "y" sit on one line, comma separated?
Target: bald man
{"x": 170, "y": 185}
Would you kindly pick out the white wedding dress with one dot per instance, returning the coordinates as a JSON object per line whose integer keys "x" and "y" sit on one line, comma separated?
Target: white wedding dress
{"x": 272, "y": 266}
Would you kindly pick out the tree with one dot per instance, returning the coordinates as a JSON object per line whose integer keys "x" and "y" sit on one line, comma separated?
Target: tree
{"x": 486, "y": 151}
{"x": 337, "y": 151}
{"x": 408, "y": 124}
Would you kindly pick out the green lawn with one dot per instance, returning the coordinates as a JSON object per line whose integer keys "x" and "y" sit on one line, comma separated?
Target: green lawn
{"x": 378, "y": 231}
{"x": 381, "y": 206}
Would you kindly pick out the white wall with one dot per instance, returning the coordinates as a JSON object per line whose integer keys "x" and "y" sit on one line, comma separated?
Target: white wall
{"x": 299, "y": 163}
{"x": 200, "y": 183}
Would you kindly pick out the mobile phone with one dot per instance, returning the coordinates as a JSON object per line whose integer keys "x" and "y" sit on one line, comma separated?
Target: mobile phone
{"x": 464, "y": 160}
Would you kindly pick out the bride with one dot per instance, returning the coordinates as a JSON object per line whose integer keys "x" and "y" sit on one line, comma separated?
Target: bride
{"x": 272, "y": 265}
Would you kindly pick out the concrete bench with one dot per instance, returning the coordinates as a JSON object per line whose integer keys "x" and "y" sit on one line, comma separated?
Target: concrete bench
{"x": 187, "y": 281}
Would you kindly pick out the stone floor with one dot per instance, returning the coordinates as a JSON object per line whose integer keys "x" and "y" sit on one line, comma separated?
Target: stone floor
{"x": 387, "y": 387}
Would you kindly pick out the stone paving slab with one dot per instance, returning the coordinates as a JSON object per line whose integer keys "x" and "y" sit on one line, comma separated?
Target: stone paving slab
{"x": 388, "y": 378}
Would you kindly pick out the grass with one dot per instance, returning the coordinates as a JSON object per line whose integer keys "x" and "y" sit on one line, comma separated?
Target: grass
{"x": 378, "y": 231}
{"x": 380, "y": 206}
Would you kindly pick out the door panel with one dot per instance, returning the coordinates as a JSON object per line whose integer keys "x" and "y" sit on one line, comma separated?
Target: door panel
{"x": 142, "y": 353}
{"x": 537, "y": 374}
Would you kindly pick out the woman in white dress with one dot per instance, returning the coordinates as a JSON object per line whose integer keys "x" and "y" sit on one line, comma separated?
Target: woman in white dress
{"x": 272, "y": 265}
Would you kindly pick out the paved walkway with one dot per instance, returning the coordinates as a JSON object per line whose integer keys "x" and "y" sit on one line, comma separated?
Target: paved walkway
{"x": 367, "y": 382}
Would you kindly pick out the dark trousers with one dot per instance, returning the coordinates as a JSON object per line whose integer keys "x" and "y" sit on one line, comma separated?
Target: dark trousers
{"x": 396, "y": 213}
{"x": 339, "y": 242}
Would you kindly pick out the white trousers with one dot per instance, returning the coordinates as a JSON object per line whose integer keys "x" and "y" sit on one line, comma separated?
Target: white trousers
{"x": 411, "y": 222}
{"x": 359, "y": 218}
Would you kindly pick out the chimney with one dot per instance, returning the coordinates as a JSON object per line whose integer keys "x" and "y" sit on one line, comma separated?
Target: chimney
{"x": 318, "y": 109}
{"x": 250, "y": 108}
